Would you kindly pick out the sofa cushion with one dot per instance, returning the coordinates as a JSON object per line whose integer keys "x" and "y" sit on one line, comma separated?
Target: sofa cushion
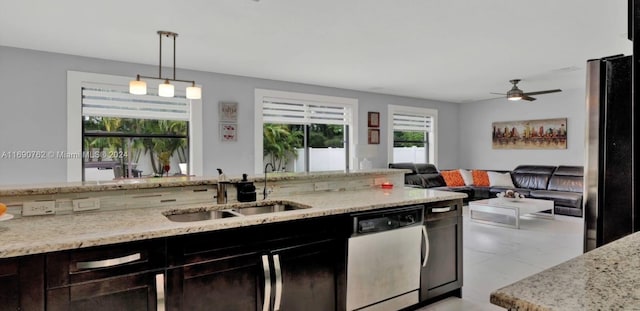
{"x": 432, "y": 180}
{"x": 532, "y": 176}
{"x": 567, "y": 178}
{"x": 467, "y": 177}
{"x": 414, "y": 180}
{"x": 480, "y": 178}
{"x": 562, "y": 198}
{"x": 406, "y": 166}
{"x": 452, "y": 178}
{"x": 500, "y": 180}
{"x": 565, "y": 170}
{"x": 481, "y": 193}
{"x": 422, "y": 168}
{"x": 566, "y": 183}
{"x": 534, "y": 169}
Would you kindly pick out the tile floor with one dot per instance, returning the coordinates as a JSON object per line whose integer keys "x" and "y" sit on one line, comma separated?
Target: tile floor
{"x": 494, "y": 257}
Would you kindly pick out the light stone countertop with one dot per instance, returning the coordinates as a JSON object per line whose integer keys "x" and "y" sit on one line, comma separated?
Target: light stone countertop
{"x": 41, "y": 234}
{"x": 606, "y": 278}
{"x": 179, "y": 181}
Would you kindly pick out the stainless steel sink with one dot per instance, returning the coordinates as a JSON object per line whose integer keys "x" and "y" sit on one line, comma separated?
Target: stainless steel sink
{"x": 244, "y": 209}
{"x": 202, "y": 215}
{"x": 269, "y": 207}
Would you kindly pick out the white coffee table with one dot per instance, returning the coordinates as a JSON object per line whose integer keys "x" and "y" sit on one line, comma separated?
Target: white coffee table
{"x": 502, "y": 212}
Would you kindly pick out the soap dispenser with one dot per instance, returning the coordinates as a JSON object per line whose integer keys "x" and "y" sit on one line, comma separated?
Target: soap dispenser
{"x": 222, "y": 187}
{"x": 246, "y": 190}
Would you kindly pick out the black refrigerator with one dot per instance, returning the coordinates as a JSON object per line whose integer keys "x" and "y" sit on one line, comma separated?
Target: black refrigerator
{"x": 608, "y": 194}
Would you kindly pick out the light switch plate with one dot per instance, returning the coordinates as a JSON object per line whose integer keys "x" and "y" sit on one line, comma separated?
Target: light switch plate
{"x": 35, "y": 208}
{"x": 81, "y": 205}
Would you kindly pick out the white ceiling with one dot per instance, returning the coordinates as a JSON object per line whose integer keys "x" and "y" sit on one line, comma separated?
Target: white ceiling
{"x": 449, "y": 50}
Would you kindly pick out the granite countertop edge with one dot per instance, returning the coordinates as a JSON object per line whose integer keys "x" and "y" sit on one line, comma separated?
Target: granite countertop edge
{"x": 177, "y": 181}
{"x": 601, "y": 279}
{"x": 42, "y": 234}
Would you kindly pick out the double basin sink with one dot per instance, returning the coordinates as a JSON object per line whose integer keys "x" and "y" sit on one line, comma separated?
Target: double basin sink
{"x": 240, "y": 210}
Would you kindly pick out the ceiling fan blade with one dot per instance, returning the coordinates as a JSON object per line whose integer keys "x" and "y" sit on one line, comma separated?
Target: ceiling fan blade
{"x": 498, "y": 94}
{"x": 543, "y": 92}
{"x": 527, "y": 97}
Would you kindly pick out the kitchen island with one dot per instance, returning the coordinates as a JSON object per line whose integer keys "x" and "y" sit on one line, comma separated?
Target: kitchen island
{"x": 129, "y": 255}
{"x": 605, "y": 278}
{"x": 41, "y": 234}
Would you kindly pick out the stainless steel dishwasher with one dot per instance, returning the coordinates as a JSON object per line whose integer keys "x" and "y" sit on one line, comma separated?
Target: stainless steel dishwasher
{"x": 384, "y": 259}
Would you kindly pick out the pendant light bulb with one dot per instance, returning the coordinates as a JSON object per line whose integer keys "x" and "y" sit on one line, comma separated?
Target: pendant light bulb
{"x": 194, "y": 92}
{"x": 138, "y": 87}
{"x": 166, "y": 89}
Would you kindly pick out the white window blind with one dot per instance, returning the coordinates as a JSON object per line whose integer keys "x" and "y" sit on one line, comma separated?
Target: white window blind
{"x": 106, "y": 102}
{"x": 412, "y": 122}
{"x": 294, "y": 111}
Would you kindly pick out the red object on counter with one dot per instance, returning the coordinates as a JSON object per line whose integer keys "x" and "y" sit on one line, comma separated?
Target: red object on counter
{"x": 387, "y": 185}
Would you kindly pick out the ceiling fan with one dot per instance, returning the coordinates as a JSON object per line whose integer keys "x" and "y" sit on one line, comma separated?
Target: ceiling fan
{"x": 517, "y": 94}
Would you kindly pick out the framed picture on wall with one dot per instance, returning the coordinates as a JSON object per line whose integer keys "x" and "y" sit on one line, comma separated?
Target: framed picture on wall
{"x": 374, "y": 119}
{"x": 228, "y": 112}
{"x": 530, "y": 134}
{"x": 228, "y": 132}
{"x": 374, "y": 136}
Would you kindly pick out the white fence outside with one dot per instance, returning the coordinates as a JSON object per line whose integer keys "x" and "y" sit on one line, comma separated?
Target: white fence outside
{"x": 409, "y": 154}
{"x": 332, "y": 159}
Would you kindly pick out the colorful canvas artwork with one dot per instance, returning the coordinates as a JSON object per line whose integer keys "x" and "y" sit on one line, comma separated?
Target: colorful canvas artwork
{"x": 530, "y": 134}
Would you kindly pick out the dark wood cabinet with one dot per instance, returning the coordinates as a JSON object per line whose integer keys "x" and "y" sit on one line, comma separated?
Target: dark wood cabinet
{"x": 293, "y": 266}
{"x": 22, "y": 283}
{"x": 442, "y": 275}
{"x": 118, "y": 277}
{"x": 308, "y": 275}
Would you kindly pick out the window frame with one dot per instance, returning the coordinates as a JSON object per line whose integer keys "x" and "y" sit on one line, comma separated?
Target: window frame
{"x": 77, "y": 80}
{"x": 418, "y": 111}
{"x": 261, "y": 94}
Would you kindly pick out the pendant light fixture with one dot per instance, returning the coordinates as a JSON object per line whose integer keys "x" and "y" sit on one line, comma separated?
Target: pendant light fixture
{"x": 165, "y": 89}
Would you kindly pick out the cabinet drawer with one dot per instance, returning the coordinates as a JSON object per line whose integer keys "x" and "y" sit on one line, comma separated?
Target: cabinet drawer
{"x": 89, "y": 264}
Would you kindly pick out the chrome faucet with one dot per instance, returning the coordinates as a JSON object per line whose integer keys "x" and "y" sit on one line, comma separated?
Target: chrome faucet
{"x": 264, "y": 191}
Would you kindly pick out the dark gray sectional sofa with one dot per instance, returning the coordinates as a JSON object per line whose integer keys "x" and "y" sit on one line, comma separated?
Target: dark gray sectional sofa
{"x": 562, "y": 184}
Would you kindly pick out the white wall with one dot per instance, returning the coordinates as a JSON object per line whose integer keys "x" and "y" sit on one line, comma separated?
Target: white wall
{"x": 33, "y": 111}
{"x": 475, "y": 130}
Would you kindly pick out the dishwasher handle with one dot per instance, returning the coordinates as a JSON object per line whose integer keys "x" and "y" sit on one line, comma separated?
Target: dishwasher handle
{"x": 426, "y": 245}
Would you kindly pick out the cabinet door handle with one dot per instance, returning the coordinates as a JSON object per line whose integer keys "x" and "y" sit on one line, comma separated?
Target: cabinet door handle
{"x": 441, "y": 209}
{"x": 278, "y": 270}
{"x": 426, "y": 245}
{"x": 267, "y": 282}
{"x": 85, "y": 265}
{"x": 160, "y": 292}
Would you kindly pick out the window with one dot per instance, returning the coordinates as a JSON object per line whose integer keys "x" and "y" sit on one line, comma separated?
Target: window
{"x": 117, "y": 134}
{"x": 303, "y": 132}
{"x": 413, "y": 134}
{"x": 132, "y": 136}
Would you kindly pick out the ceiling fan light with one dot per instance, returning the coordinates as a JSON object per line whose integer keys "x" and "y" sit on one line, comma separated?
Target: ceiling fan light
{"x": 137, "y": 87}
{"x": 165, "y": 89}
{"x": 194, "y": 92}
{"x": 515, "y": 94}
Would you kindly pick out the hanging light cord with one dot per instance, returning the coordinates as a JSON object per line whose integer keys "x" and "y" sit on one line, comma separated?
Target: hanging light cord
{"x": 159, "y": 77}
